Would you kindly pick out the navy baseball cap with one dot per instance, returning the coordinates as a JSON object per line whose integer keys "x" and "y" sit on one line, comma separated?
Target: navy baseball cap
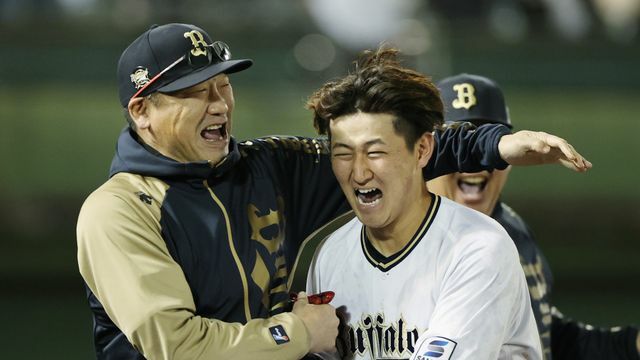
{"x": 473, "y": 98}
{"x": 172, "y": 57}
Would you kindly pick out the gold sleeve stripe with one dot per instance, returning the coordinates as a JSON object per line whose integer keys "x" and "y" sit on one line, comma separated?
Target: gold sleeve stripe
{"x": 281, "y": 273}
{"x": 280, "y": 261}
{"x": 243, "y": 276}
{"x": 279, "y": 288}
{"x": 278, "y": 305}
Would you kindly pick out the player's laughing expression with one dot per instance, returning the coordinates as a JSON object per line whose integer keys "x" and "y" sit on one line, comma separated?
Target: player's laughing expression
{"x": 479, "y": 191}
{"x": 381, "y": 178}
{"x": 193, "y": 124}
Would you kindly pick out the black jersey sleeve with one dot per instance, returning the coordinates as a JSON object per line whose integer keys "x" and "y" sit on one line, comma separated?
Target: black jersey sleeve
{"x": 574, "y": 340}
{"x": 466, "y": 148}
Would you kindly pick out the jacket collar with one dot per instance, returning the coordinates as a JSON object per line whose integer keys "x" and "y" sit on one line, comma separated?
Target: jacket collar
{"x": 133, "y": 156}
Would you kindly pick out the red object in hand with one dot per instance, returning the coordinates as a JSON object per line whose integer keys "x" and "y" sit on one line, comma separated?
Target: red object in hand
{"x": 324, "y": 297}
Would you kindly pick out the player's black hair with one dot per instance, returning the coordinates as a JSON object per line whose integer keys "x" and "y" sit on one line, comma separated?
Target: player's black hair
{"x": 380, "y": 84}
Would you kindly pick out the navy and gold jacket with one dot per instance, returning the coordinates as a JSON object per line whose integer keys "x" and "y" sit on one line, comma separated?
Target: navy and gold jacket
{"x": 189, "y": 260}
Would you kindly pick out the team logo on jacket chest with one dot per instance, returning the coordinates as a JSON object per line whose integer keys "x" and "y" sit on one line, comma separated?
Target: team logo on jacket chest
{"x": 267, "y": 226}
{"x": 268, "y": 230}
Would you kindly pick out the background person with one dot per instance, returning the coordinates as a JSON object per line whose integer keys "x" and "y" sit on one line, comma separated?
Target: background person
{"x": 479, "y": 100}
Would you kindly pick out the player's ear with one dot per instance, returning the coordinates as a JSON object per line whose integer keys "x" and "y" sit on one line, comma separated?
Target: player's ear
{"x": 139, "y": 112}
{"x": 424, "y": 148}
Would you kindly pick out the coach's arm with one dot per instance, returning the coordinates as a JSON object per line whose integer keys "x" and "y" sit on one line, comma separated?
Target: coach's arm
{"x": 126, "y": 264}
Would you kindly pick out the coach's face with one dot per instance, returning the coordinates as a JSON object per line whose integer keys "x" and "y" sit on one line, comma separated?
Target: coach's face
{"x": 479, "y": 191}
{"x": 380, "y": 177}
{"x": 193, "y": 124}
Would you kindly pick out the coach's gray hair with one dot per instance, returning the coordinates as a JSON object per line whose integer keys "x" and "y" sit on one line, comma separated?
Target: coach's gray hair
{"x": 153, "y": 98}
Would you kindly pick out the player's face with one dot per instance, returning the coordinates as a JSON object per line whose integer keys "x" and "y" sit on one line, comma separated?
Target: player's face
{"x": 380, "y": 177}
{"x": 193, "y": 124}
{"x": 479, "y": 191}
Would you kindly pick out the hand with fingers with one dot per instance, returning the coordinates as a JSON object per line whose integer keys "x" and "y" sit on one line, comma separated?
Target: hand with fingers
{"x": 536, "y": 147}
{"x": 321, "y": 322}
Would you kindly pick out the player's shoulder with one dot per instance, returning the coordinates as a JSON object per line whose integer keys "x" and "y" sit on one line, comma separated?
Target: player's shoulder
{"x": 343, "y": 238}
{"x": 473, "y": 238}
{"x": 468, "y": 228}
{"x": 464, "y": 219}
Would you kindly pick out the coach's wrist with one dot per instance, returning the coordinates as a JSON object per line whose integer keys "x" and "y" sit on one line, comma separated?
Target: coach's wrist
{"x": 299, "y": 338}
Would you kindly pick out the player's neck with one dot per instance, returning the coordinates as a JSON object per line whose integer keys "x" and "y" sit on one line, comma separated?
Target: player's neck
{"x": 392, "y": 238}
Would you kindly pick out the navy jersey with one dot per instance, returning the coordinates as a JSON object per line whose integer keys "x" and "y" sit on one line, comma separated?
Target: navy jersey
{"x": 562, "y": 338}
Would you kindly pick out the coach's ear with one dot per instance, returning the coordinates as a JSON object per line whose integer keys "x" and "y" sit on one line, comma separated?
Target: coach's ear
{"x": 424, "y": 148}
{"x": 139, "y": 112}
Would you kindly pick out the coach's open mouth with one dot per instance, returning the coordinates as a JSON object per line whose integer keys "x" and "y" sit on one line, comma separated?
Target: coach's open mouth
{"x": 370, "y": 196}
{"x": 473, "y": 185}
{"x": 215, "y": 132}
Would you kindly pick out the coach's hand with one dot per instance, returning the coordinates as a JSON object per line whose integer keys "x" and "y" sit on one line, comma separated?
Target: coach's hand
{"x": 536, "y": 147}
{"x": 321, "y": 322}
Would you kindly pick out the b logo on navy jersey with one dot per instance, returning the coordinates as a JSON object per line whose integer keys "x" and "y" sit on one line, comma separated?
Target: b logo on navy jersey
{"x": 279, "y": 335}
{"x": 437, "y": 348}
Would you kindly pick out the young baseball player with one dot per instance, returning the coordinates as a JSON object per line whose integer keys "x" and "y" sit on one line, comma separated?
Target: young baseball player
{"x": 415, "y": 275}
{"x": 479, "y": 100}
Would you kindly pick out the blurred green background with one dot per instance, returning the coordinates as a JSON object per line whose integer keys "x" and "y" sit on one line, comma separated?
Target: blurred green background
{"x": 60, "y": 117}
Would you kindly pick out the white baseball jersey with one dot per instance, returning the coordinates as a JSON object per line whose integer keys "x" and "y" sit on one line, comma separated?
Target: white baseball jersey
{"x": 455, "y": 291}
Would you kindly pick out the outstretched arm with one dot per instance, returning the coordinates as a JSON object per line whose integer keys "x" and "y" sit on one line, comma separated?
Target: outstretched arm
{"x": 465, "y": 148}
{"x": 536, "y": 147}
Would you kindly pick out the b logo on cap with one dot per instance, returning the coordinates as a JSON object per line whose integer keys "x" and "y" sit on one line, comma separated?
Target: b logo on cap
{"x": 466, "y": 96}
{"x": 199, "y": 45}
